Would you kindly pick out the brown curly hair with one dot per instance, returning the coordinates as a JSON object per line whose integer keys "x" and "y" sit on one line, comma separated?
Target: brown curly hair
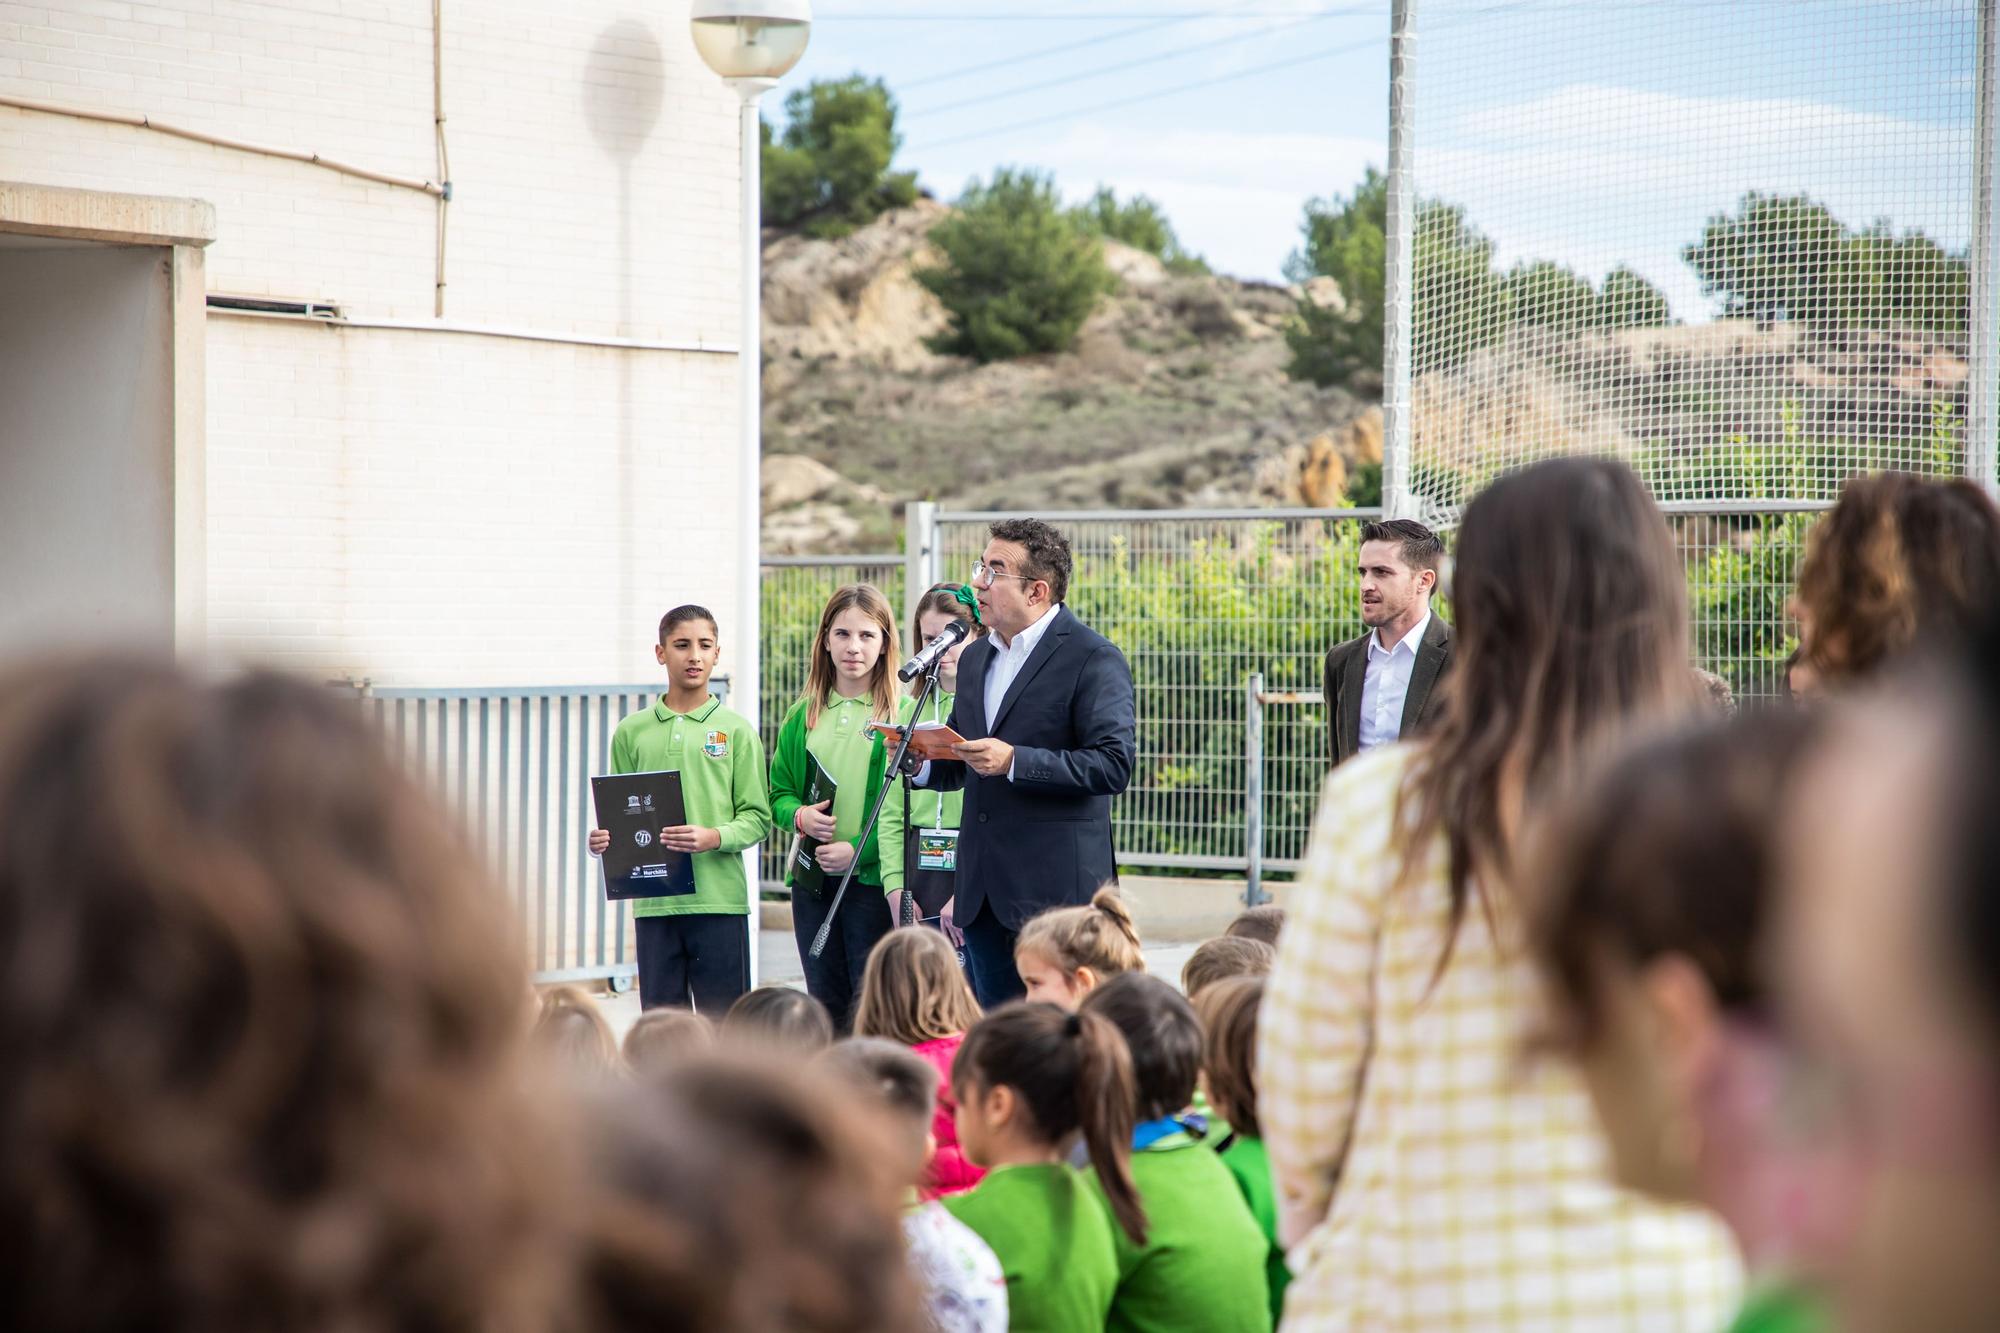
{"x": 734, "y": 1194}
{"x": 1900, "y": 559}
{"x": 262, "y": 1018}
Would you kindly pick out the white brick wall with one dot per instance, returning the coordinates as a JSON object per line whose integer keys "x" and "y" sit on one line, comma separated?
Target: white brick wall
{"x": 431, "y": 508}
{"x": 426, "y": 508}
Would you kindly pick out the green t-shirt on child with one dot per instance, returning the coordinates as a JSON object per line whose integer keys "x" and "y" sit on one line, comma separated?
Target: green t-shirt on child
{"x": 1202, "y": 1265}
{"x": 1251, "y": 1166}
{"x": 1053, "y": 1236}
{"x": 721, "y": 763}
{"x": 1780, "y": 1308}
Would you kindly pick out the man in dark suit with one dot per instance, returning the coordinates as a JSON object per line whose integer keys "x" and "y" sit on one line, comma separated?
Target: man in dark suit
{"x": 1379, "y": 686}
{"x": 1046, "y": 708}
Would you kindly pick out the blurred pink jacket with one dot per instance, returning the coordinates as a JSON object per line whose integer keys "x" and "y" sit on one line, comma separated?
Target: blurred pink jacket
{"x": 950, "y": 1172}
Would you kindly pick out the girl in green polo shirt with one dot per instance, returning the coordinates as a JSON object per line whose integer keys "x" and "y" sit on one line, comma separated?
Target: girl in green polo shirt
{"x": 919, "y": 826}
{"x": 694, "y": 950}
{"x": 849, "y": 683}
{"x": 1027, "y": 1078}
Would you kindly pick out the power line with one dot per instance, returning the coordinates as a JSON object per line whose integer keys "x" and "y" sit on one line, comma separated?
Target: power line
{"x": 1064, "y": 48}
{"x": 1152, "y": 96}
{"x": 1158, "y": 57}
{"x": 1060, "y": 49}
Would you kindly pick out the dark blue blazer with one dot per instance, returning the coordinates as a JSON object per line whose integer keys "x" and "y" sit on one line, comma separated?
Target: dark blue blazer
{"x": 1043, "y": 839}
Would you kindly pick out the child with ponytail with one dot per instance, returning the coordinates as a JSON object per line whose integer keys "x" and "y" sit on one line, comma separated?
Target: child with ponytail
{"x": 1027, "y": 1077}
{"x": 1067, "y": 951}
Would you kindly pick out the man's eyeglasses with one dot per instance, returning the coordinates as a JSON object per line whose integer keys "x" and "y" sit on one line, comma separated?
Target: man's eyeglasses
{"x": 985, "y": 573}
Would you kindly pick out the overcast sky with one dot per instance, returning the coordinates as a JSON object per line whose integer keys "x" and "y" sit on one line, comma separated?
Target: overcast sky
{"x": 1593, "y": 132}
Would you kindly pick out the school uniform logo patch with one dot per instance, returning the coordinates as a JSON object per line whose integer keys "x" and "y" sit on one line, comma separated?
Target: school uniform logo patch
{"x": 716, "y": 745}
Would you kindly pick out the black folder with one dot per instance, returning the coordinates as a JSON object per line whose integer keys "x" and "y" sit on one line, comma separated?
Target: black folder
{"x": 806, "y": 873}
{"x": 633, "y": 808}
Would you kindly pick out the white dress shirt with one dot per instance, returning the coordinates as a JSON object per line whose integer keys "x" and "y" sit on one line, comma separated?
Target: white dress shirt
{"x": 1005, "y": 669}
{"x": 1009, "y": 658}
{"x": 1387, "y": 684}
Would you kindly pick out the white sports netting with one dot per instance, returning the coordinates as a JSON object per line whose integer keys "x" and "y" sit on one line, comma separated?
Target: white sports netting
{"x": 1728, "y": 240}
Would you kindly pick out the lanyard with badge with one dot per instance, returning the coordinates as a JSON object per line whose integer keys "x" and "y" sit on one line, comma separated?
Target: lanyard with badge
{"x": 930, "y": 862}
{"x": 930, "y": 855}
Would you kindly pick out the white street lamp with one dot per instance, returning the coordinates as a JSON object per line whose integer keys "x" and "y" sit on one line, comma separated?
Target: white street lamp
{"x": 751, "y": 44}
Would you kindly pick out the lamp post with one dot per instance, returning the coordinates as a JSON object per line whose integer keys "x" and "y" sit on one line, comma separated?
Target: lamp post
{"x": 751, "y": 44}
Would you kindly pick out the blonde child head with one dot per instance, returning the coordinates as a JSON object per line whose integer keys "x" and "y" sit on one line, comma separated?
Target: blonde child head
{"x": 570, "y": 1031}
{"x": 1062, "y": 954}
{"x": 1223, "y": 957}
{"x": 913, "y": 990}
{"x": 665, "y": 1038}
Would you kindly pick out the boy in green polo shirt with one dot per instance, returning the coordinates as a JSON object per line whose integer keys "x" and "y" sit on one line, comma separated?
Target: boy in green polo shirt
{"x": 1202, "y": 1264}
{"x": 694, "y": 950}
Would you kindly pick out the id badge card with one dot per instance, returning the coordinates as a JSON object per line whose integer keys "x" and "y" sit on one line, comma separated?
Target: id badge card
{"x": 937, "y": 849}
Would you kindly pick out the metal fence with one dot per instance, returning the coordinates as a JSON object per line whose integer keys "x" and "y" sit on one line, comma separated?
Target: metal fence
{"x": 514, "y": 765}
{"x": 1199, "y": 600}
{"x": 1209, "y": 606}
{"x": 1742, "y": 564}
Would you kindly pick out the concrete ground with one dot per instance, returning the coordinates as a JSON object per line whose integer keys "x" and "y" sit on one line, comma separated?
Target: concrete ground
{"x": 778, "y": 964}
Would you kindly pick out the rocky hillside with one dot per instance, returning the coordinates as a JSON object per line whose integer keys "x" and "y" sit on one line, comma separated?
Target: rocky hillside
{"x": 1175, "y": 394}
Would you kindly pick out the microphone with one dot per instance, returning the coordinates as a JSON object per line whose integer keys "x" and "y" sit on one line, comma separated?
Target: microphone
{"x": 926, "y": 661}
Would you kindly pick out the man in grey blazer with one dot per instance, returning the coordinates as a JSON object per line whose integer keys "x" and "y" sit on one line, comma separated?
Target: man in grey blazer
{"x": 1379, "y": 686}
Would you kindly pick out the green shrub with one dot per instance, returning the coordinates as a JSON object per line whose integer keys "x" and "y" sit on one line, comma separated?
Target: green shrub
{"x": 828, "y": 173}
{"x": 1344, "y": 240}
{"x": 1018, "y": 275}
{"x": 1140, "y": 223}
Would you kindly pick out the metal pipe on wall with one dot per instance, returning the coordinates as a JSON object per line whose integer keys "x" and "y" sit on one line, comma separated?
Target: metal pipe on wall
{"x": 443, "y": 155}
{"x": 222, "y": 141}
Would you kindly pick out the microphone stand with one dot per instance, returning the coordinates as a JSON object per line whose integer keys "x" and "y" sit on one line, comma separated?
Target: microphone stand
{"x": 889, "y": 777}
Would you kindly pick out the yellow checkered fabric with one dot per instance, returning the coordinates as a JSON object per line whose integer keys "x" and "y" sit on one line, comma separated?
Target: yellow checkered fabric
{"x": 1432, "y": 1176}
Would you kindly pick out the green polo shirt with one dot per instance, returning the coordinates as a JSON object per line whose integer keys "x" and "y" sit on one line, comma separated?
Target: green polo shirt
{"x": 1250, "y": 1165}
{"x": 852, "y": 756}
{"x": 1202, "y": 1265}
{"x": 721, "y": 763}
{"x": 1052, "y": 1235}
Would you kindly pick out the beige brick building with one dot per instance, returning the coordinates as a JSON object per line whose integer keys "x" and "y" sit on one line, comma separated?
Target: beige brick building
{"x": 510, "y": 492}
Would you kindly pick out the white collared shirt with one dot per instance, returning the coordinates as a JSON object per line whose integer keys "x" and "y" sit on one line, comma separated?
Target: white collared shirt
{"x": 1009, "y": 658}
{"x": 1387, "y": 684}
{"x": 1005, "y": 669}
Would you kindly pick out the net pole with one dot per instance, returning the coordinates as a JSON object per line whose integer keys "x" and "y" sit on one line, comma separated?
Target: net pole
{"x": 1984, "y": 326}
{"x": 1399, "y": 270}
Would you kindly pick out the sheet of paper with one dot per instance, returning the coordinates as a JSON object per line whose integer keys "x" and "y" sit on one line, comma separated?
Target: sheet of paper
{"x": 929, "y": 740}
